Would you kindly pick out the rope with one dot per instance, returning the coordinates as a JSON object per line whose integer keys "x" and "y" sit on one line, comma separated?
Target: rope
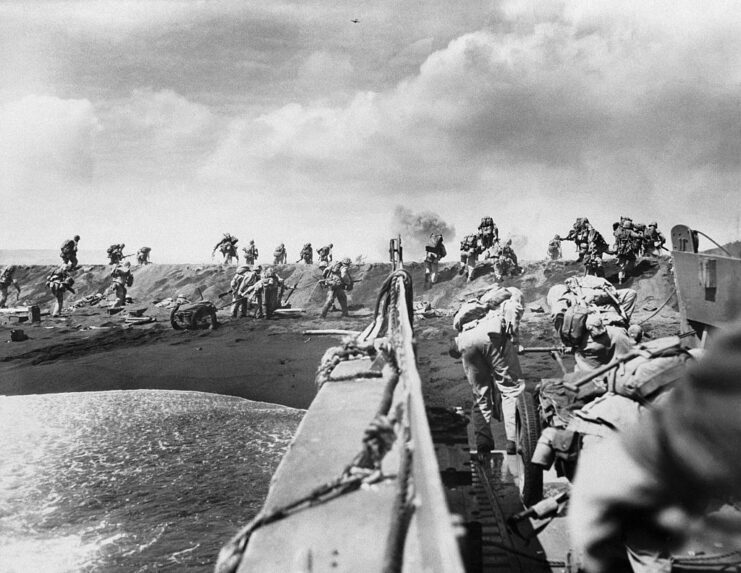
{"x": 721, "y": 247}
{"x": 649, "y": 317}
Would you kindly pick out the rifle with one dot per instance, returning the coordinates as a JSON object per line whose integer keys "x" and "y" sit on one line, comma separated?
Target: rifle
{"x": 223, "y": 294}
{"x": 535, "y": 349}
{"x": 292, "y": 290}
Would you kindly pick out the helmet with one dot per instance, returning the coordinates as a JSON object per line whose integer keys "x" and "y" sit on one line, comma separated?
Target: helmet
{"x": 331, "y": 245}
{"x": 594, "y": 324}
{"x": 635, "y": 332}
{"x": 76, "y": 238}
{"x": 127, "y": 264}
{"x": 242, "y": 269}
{"x": 270, "y": 272}
{"x": 282, "y": 245}
{"x": 252, "y": 241}
{"x": 627, "y": 224}
{"x": 258, "y": 268}
{"x": 585, "y": 221}
{"x": 654, "y": 224}
{"x": 346, "y": 261}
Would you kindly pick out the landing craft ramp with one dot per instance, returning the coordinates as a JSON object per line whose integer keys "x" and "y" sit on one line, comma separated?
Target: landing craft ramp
{"x": 708, "y": 284}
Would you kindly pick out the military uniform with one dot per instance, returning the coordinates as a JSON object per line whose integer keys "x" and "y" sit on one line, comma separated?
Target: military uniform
{"x": 122, "y": 278}
{"x": 434, "y": 252}
{"x": 488, "y": 233}
{"x": 487, "y": 346}
{"x": 307, "y": 254}
{"x": 115, "y": 253}
{"x": 59, "y": 281}
{"x": 325, "y": 255}
{"x": 653, "y": 240}
{"x": 68, "y": 252}
{"x": 270, "y": 290}
{"x": 242, "y": 287}
{"x": 227, "y": 247}
{"x": 337, "y": 280}
{"x": 680, "y": 455}
{"x": 142, "y": 256}
{"x": 469, "y": 255}
{"x": 250, "y": 254}
{"x": 554, "y": 248}
{"x": 626, "y": 241}
{"x": 6, "y": 281}
{"x": 280, "y": 257}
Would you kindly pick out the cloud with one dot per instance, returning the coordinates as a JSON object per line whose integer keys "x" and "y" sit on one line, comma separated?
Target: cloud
{"x": 46, "y": 140}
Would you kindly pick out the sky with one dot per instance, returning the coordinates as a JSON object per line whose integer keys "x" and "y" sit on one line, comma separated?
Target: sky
{"x": 168, "y": 122}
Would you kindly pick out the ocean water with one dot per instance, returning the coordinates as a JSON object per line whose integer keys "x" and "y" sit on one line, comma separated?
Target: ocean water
{"x": 132, "y": 481}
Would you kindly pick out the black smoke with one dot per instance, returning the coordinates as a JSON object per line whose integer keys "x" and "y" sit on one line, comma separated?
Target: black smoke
{"x": 415, "y": 229}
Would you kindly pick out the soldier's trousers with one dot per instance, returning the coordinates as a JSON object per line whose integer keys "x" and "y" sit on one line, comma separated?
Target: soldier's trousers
{"x": 470, "y": 262}
{"x": 58, "y": 301}
{"x": 431, "y": 271}
{"x": 120, "y": 294}
{"x": 493, "y": 371}
{"x": 335, "y": 293}
{"x": 271, "y": 301}
{"x": 3, "y": 296}
{"x": 239, "y": 307}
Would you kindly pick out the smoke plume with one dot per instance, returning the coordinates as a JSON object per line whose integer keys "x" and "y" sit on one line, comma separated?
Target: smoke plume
{"x": 415, "y": 228}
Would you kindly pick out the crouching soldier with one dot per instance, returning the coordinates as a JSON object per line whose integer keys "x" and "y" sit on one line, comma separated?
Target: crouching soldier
{"x": 142, "y": 256}
{"x": 469, "y": 255}
{"x": 122, "y": 278}
{"x": 337, "y": 279}
{"x": 68, "y": 252}
{"x": 487, "y": 344}
{"x": 242, "y": 286}
{"x": 59, "y": 281}
{"x": 6, "y": 281}
{"x": 280, "y": 256}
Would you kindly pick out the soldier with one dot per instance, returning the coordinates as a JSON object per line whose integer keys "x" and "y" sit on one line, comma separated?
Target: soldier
{"x": 509, "y": 253}
{"x": 59, "y": 281}
{"x": 488, "y": 330}
{"x": 6, "y": 281}
{"x": 270, "y": 288}
{"x": 337, "y": 280}
{"x": 554, "y": 248}
{"x": 579, "y": 234}
{"x": 68, "y": 252}
{"x": 241, "y": 282}
{"x": 122, "y": 278}
{"x": 435, "y": 250}
{"x": 306, "y": 255}
{"x": 227, "y": 246}
{"x": 596, "y": 246}
{"x": 488, "y": 232}
{"x": 142, "y": 256}
{"x": 653, "y": 240}
{"x": 469, "y": 255}
{"x": 677, "y": 458}
{"x": 250, "y": 253}
{"x": 626, "y": 241}
{"x": 115, "y": 253}
{"x": 280, "y": 256}
{"x": 325, "y": 255}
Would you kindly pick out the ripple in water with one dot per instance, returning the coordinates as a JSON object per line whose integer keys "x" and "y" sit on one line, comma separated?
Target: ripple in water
{"x": 132, "y": 481}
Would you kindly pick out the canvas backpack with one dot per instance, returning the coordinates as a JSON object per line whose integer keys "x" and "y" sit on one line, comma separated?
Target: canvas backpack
{"x": 574, "y": 325}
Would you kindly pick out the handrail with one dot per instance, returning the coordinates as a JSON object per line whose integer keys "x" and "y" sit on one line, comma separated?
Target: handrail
{"x": 436, "y": 537}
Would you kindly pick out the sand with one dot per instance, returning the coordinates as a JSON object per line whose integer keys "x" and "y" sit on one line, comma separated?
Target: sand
{"x": 271, "y": 361}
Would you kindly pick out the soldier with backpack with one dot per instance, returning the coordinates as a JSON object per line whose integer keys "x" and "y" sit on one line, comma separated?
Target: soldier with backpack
{"x": 325, "y": 255}
{"x": 142, "y": 256}
{"x": 487, "y": 343}
{"x": 122, "y": 278}
{"x": 627, "y": 242}
{"x": 469, "y": 255}
{"x": 59, "y": 282}
{"x": 488, "y": 232}
{"x": 250, "y": 253}
{"x": 306, "y": 255}
{"x": 68, "y": 251}
{"x": 270, "y": 290}
{"x": 435, "y": 250}
{"x": 227, "y": 246}
{"x": 338, "y": 281}
{"x": 115, "y": 253}
{"x": 6, "y": 281}
{"x": 280, "y": 256}
{"x": 554, "y": 248}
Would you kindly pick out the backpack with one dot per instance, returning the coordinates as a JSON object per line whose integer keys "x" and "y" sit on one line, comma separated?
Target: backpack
{"x": 486, "y": 222}
{"x": 468, "y": 312}
{"x": 129, "y": 280}
{"x": 574, "y": 325}
{"x": 68, "y": 246}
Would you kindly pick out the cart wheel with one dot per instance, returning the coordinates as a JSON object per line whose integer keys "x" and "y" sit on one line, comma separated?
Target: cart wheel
{"x": 204, "y": 318}
{"x": 527, "y": 427}
{"x": 174, "y": 319}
